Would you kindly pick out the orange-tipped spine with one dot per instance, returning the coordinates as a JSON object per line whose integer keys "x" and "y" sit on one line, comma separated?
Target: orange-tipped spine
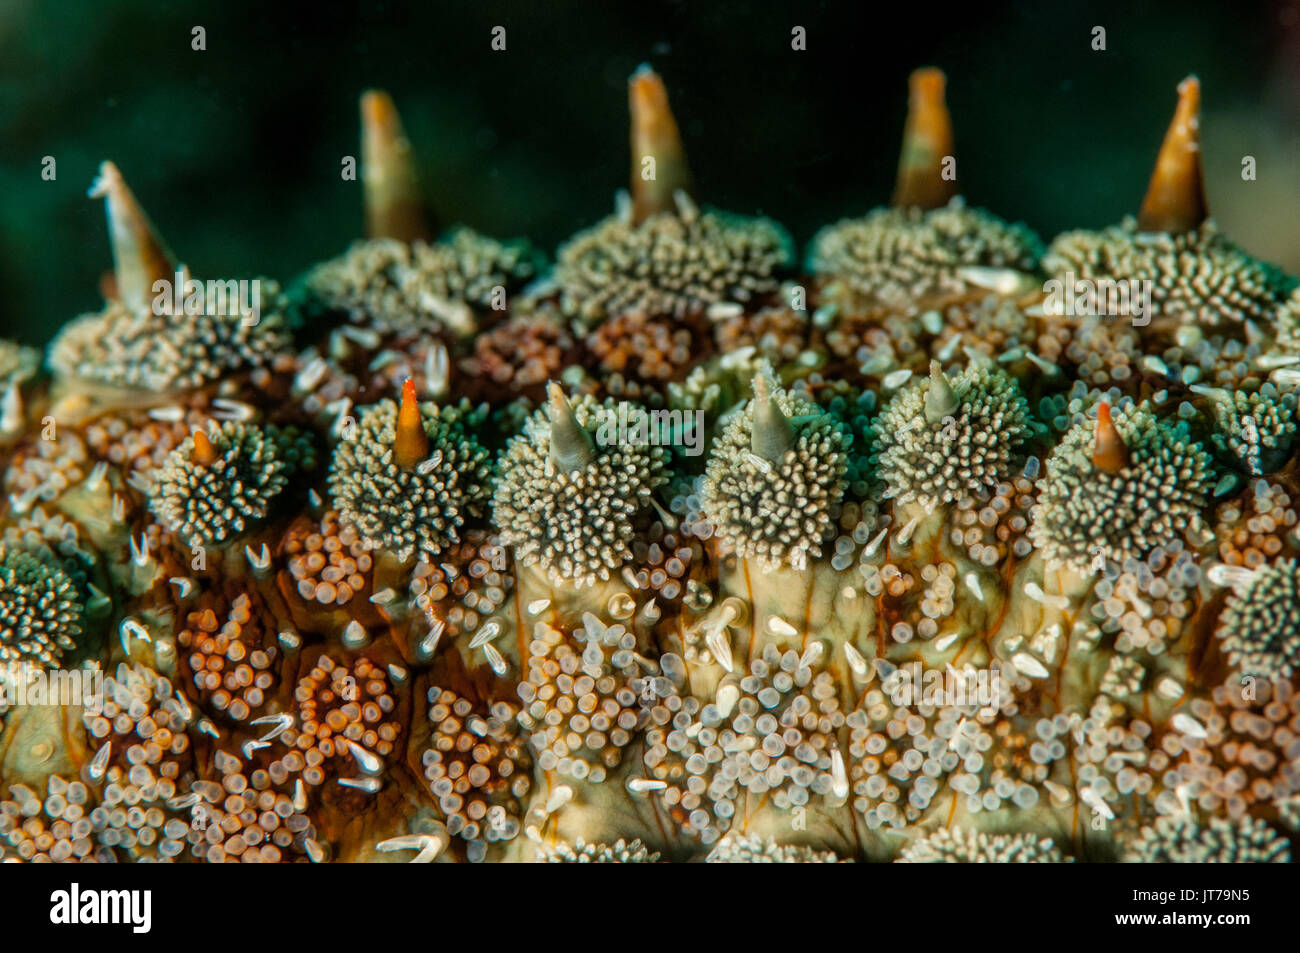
{"x": 654, "y": 136}
{"x": 205, "y": 454}
{"x": 394, "y": 206}
{"x": 411, "y": 444}
{"x": 139, "y": 256}
{"x": 1175, "y": 198}
{"x": 927, "y": 143}
{"x": 1109, "y": 452}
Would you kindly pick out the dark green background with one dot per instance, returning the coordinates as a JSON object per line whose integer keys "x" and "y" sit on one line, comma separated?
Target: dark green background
{"x": 235, "y": 151}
